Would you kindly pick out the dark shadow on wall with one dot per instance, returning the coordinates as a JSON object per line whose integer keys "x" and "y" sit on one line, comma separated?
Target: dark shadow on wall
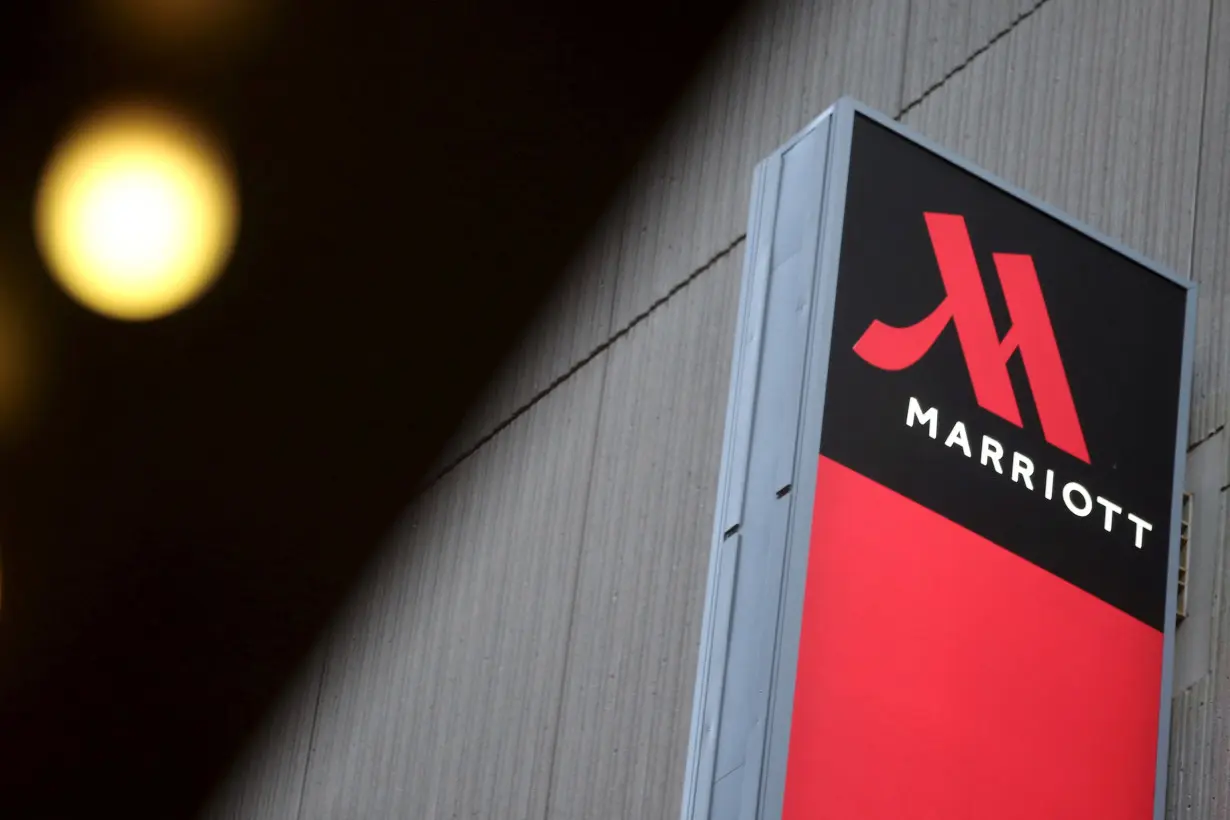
{"x": 192, "y": 498}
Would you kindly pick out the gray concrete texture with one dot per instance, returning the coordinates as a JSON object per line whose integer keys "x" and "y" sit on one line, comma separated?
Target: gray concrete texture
{"x": 526, "y": 647}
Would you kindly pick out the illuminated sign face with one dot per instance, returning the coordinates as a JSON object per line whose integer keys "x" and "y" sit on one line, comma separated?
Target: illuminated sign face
{"x": 985, "y": 610}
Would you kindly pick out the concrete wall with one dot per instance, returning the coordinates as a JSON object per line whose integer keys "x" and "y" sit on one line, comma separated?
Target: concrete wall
{"x": 527, "y": 647}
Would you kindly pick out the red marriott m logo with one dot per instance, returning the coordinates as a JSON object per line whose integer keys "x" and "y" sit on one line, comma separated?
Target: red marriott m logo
{"x": 986, "y": 355}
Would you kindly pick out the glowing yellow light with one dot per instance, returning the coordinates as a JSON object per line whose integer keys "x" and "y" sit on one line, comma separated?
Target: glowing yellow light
{"x": 136, "y": 214}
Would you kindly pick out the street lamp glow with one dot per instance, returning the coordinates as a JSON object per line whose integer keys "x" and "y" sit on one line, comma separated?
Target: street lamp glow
{"x": 136, "y": 214}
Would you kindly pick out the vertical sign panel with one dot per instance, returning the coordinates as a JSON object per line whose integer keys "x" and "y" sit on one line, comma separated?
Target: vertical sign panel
{"x": 985, "y": 608}
{"x": 978, "y": 618}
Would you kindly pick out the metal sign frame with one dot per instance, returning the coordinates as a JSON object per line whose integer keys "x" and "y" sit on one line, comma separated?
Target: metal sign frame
{"x": 744, "y": 694}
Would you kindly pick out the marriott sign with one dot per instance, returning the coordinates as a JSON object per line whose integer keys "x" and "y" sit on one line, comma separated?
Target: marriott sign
{"x": 950, "y": 495}
{"x": 997, "y": 476}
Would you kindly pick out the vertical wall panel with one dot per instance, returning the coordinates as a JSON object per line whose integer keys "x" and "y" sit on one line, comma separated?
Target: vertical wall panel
{"x": 267, "y": 781}
{"x": 1198, "y": 778}
{"x": 1189, "y": 777}
{"x": 635, "y": 632}
{"x": 944, "y": 33}
{"x": 1210, "y": 393}
{"x": 1199, "y": 787}
{"x": 716, "y": 101}
{"x": 1196, "y": 636}
{"x": 775, "y": 72}
{"x": 1094, "y": 107}
{"x": 1218, "y": 749}
{"x": 748, "y": 88}
{"x": 441, "y": 686}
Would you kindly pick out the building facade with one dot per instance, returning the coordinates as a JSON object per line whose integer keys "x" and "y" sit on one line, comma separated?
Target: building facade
{"x": 527, "y": 646}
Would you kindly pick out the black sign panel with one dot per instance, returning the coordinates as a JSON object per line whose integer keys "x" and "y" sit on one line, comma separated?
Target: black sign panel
{"x": 911, "y": 221}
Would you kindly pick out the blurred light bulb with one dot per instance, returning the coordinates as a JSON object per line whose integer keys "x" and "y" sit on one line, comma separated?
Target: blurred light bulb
{"x": 136, "y": 213}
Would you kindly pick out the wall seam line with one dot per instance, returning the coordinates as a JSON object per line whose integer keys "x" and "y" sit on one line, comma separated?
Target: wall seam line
{"x": 975, "y": 54}
{"x": 585, "y": 360}
{"x": 576, "y": 586}
{"x": 1206, "y": 437}
{"x": 307, "y": 757}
